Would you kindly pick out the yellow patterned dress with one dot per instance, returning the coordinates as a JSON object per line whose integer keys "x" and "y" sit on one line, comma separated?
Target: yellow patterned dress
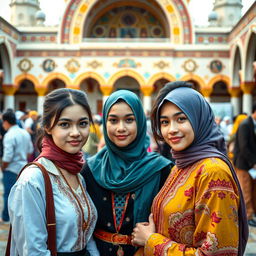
{"x": 196, "y": 212}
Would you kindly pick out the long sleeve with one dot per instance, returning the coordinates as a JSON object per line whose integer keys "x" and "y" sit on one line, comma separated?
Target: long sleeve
{"x": 27, "y": 214}
{"x": 204, "y": 220}
{"x": 92, "y": 247}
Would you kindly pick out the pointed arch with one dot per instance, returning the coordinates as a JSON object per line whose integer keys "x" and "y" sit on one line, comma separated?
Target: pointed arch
{"x": 126, "y": 72}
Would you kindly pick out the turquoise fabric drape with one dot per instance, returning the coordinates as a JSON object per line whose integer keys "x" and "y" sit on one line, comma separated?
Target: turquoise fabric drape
{"x": 131, "y": 168}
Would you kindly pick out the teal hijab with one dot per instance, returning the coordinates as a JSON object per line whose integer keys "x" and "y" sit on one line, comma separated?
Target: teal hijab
{"x": 130, "y": 168}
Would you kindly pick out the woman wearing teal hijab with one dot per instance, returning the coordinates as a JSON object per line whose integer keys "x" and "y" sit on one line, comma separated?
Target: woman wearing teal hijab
{"x": 123, "y": 177}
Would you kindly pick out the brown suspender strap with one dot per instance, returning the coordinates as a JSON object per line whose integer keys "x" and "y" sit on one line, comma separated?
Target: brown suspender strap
{"x": 50, "y": 212}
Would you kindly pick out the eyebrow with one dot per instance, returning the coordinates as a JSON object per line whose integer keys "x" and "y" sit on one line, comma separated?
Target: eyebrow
{"x": 67, "y": 119}
{"x": 176, "y": 114}
{"x": 112, "y": 115}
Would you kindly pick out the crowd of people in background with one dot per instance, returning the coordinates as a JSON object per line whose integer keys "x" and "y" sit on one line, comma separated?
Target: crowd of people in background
{"x": 18, "y": 140}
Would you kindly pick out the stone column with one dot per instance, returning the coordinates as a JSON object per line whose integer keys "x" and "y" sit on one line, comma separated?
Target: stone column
{"x": 235, "y": 93}
{"x": 247, "y": 88}
{"x": 147, "y": 102}
{"x": 41, "y": 91}
{"x": 206, "y": 92}
{"x": 106, "y": 91}
{"x": 9, "y": 100}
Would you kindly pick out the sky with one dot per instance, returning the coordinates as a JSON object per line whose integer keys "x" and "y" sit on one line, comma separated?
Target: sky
{"x": 199, "y": 10}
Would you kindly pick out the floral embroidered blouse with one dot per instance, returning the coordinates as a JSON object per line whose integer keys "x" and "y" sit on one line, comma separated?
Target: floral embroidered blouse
{"x": 196, "y": 212}
{"x": 27, "y": 214}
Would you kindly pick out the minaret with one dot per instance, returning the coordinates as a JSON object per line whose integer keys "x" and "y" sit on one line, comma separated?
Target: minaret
{"x": 228, "y": 12}
{"x": 23, "y": 12}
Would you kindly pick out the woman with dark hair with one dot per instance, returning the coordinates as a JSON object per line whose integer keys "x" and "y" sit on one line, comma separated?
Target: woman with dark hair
{"x": 125, "y": 176}
{"x": 200, "y": 209}
{"x": 64, "y": 130}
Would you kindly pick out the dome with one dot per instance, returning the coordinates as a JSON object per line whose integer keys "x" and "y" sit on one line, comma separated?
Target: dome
{"x": 40, "y": 15}
{"x": 213, "y": 16}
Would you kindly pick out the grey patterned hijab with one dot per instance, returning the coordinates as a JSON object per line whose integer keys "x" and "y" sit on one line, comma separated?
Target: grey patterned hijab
{"x": 208, "y": 142}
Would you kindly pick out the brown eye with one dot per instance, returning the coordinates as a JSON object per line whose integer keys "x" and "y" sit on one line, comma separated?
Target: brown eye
{"x": 63, "y": 124}
{"x": 84, "y": 123}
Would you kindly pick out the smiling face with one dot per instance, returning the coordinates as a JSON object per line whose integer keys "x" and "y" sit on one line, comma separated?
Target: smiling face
{"x": 72, "y": 129}
{"x": 121, "y": 124}
{"x": 175, "y": 127}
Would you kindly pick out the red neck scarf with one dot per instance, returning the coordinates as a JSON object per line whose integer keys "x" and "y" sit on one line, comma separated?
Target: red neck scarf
{"x": 72, "y": 163}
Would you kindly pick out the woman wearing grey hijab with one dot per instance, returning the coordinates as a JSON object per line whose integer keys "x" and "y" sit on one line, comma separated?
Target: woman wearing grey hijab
{"x": 200, "y": 209}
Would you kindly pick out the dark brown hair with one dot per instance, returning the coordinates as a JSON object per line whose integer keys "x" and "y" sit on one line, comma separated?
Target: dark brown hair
{"x": 55, "y": 102}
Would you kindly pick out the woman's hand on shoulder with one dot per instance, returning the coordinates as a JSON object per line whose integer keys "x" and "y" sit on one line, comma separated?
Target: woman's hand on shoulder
{"x": 143, "y": 231}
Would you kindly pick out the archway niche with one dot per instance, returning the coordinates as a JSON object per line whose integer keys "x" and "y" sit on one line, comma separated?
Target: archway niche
{"x": 158, "y": 85}
{"x": 128, "y": 83}
{"x": 92, "y": 89}
{"x": 220, "y": 92}
{"x": 251, "y": 59}
{"x": 26, "y": 96}
{"x": 237, "y": 69}
{"x": 195, "y": 85}
{"x": 55, "y": 84}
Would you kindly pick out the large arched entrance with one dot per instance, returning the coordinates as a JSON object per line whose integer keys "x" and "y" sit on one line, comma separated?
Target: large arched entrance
{"x": 126, "y": 19}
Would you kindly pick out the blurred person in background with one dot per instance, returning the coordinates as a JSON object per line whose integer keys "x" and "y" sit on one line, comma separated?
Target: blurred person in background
{"x": 231, "y": 143}
{"x": 31, "y": 126}
{"x": 17, "y": 146}
{"x": 245, "y": 159}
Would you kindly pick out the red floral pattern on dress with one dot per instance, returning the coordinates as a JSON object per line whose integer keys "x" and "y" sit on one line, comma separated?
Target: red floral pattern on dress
{"x": 215, "y": 219}
{"x": 189, "y": 193}
{"x": 160, "y": 247}
{"x": 232, "y": 196}
{"x": 199, "y": 172}
{"x": 210, "y": 244}
{"x": 182, "y": 227}
{"x": 199, "y": 237}
{"x": 221, "y": 195}
{"x": 220, "y": 184}
{"x": 182, "y": 247}
{"x": 207, "y": 195}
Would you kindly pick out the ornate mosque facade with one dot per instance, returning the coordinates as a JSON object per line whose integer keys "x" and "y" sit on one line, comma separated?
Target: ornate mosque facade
{"x": 104, "y": 45}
